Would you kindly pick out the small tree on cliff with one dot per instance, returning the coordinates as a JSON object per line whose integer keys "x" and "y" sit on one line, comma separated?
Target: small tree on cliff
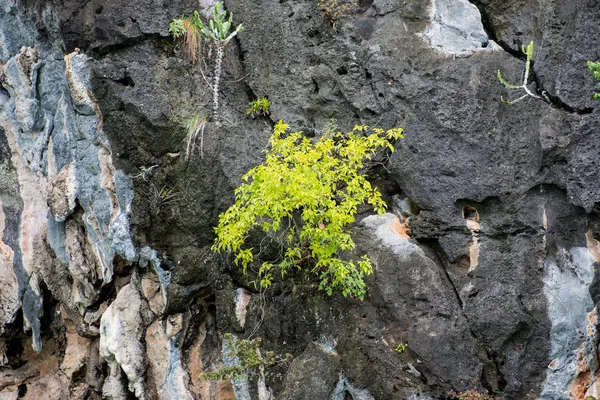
{"x": 218, "y": 32}
{"x": 304, "y": 195}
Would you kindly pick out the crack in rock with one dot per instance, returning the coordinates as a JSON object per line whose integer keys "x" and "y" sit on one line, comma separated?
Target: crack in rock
{"x": 490, "y": 31}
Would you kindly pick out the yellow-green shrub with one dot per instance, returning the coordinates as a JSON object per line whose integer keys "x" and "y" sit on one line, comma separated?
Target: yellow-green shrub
{"x": 308, "y": 191}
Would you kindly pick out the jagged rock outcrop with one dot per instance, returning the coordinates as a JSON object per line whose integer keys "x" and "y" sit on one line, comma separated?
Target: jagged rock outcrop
{"x": 485, "y": 264}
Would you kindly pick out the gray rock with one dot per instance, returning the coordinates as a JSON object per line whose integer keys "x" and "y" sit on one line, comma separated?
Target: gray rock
{"x": 312, "y": 375}
{"x": 471, "y": 301}
{"x": 456, "y": 28}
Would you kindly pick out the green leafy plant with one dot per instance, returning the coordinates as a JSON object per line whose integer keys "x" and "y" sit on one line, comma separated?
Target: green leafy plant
{"x": 259, "y": 107}
{"x": 334, "y": 10}
{"x": 305, "y": 194}
{"x": 595, "y": 68}
{"x": 218, "y": 32}
{"x": 528, "y": 51}
{"x": 251, "y": 361}
{"x": 401, "y": 348}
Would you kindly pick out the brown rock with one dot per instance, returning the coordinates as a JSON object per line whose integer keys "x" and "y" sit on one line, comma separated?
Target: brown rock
{"x": 62, "y": 193}
{"x": 152, "y": 292}
{"x": 77, "y": 352}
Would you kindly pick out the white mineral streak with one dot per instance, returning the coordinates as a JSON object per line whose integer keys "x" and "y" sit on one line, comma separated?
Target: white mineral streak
{"x": 344, "y": 387}
{"x": 568, "y": 275}
{"x": 242, "y": 298}
{"x": 385, "y": 227}
{"x": 121, "y": 331}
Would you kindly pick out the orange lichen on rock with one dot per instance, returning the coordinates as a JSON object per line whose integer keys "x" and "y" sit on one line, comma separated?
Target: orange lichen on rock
{"x": 585, "y": 381}
{"x": 401, "y": 227}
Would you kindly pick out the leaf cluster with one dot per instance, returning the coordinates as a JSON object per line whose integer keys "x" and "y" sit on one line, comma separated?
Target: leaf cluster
{"x": 259, "y": 107}
{"x": 218, "y": 29}
{"x": 595, "y": 68}
{"x": 308, "y": 192}
{"x": 251, "y": 361}
{"x": 401, "y": 348}
{"x": 334, "y": 10}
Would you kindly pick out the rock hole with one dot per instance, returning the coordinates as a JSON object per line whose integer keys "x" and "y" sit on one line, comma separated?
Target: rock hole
{"x": 80, "y": 374}
{"x": 290, "y": 15}
{"x": 14, "y": 351}
{"x": 348, "y": 396}
{"x": 380, "y": 95}
{"x": 22, "y": 390}
{"x": 99, "y": 10}
{"x": 126, "y": 81}
{"x": 470, "y": 213}
{"x": 368, "y": 75}
{"x": 369, "y": 113}
{"x": 464, "y": 261}
{"x": 315, "y": 87}
{"x": 342, "y": 70}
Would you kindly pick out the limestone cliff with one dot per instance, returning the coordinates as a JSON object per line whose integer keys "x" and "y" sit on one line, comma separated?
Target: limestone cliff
{"x": 485, "y": 265}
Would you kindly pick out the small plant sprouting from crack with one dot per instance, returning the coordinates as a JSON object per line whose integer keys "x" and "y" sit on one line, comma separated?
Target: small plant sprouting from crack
{"x": 401, "y": 348}
{"x": 259, "y": 107}
{"x": 159, "y": 197}
{"x": 595, "y": 68}
{"x": 528, "y": 51}
{"x": 194, "y": 125}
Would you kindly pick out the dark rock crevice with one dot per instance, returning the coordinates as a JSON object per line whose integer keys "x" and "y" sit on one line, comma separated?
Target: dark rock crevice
{"x": 103, "y": 51}
{"x": 491, "y": 376}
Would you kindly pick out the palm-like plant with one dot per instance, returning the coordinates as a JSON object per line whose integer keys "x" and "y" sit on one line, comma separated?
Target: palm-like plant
{"x": 218, "y": 31}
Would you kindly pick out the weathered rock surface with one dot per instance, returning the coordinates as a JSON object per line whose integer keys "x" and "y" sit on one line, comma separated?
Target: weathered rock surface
{"x": 485, "y": 268}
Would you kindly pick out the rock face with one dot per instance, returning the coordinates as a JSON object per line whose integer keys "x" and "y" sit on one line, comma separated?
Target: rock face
{"x": 485, "y": 264}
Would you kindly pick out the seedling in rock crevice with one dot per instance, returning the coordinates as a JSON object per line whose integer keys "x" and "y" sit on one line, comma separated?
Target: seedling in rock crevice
{"x": 259, "y": 107}
{"x": 528, "y": 51}
{"x": 595, "y": 68}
